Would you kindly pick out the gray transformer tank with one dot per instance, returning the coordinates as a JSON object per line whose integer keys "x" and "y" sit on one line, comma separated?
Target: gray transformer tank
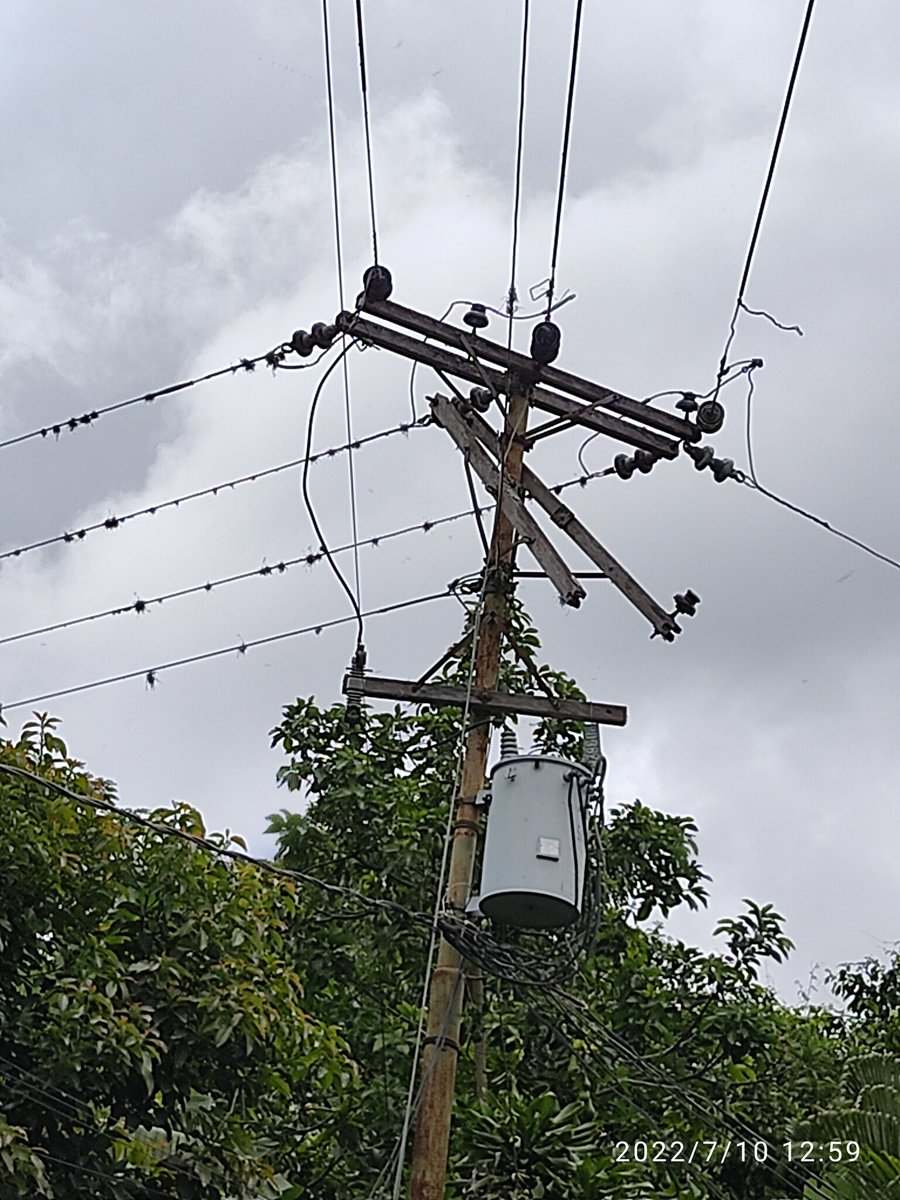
{"x": 535, "y": 852}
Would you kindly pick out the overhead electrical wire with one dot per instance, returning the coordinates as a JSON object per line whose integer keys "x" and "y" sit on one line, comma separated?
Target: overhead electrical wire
{"x": 339, "y": 259}
{"x": 372, "y": 904}
{"x": 820, "y": 521}
{"x": 760, "y": 213}
{"x": 151, "y": 675}
{"x": 512, "y": 296}
{"x": 114, "y": 522}
{"x": 140, "y": 606}
{"x": 564, "y": 158}
{"x": 78, "y": 422}
{"x": 745, "y": 366}
{"x": 307, "y": 499}
{"x": 364, "y": 88}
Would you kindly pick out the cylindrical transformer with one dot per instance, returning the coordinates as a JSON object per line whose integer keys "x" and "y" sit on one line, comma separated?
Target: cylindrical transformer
{"x": 535, "y": 854}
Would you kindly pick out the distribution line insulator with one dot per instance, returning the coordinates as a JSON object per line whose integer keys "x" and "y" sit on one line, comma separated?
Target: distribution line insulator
{"x": 591, "y": 744}
{"x": 355, "y": 686}
{"x": 642, "y": 460}
{"x": 703, "y": 456}
{"x": 509, "y": 743}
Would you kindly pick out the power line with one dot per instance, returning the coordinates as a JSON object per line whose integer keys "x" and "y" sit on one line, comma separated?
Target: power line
{"x": 570, "y": 103}
{"x": 151, "y": 675}
{"x": 339, "y": 257}
{"x": 272, "y": 358}
{"x": 770, "y": 175}
{"x": 361, "y": 40}
{"x": 140, "y": 606}
{"x": 304, "y": 487}
{"x": 373, "y": 903}
{"x": 802, "y": 512}
{"x": 520, "y": 131}
{"x": 114, "y": 522}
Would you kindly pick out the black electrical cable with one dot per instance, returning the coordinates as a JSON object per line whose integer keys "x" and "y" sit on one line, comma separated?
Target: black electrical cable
{"x": 304, "y": 487}
{"x": 140, "y": 606}
{"x": 339, "y": 256}
{"x": 570, "y": 103}
{"x": 78, "y": 422}
{"x": 770, "y": 175}
{"x": 512, "y": 297}
{"x": 361, "y": 39}
{"x": 372, "y": 903}
{"x": 151, "y": 675}
{"x": 802, "y": 512}
{"x": 114, "y": 522}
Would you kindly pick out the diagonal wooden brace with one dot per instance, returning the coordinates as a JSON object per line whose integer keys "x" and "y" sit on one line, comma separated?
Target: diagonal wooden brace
{"x": 563, "y": 516}
{"x": 570, "y": 590}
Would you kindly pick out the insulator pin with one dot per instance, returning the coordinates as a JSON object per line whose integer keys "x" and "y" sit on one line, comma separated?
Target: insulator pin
{"x": 710, "y": 416}
{"x": 377, "y": 283}
{"x": 476, "y": 317}
{"x": 545, "y": 342}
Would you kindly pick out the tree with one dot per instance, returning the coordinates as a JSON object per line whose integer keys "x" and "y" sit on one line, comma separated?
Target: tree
{"x": 155, "y": 1038}
{"x": 648, "y": 1041}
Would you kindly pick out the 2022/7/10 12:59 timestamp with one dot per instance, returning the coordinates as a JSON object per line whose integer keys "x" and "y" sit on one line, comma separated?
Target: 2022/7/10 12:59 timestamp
{"x": 716, "y": 1150}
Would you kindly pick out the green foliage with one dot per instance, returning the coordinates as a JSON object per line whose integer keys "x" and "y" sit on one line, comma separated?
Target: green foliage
{"x": 153, "y": 1025}
{"x": 864, "y": 1122}
{"x": 704, "y": 1042}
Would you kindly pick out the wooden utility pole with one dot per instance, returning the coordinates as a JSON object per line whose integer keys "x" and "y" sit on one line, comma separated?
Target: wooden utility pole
{"x": 439, "y": 1059}
{"x": 527, "y": 382}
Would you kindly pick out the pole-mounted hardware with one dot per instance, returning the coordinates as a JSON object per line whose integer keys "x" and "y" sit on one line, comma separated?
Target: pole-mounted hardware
{"x": 704, "y": 456}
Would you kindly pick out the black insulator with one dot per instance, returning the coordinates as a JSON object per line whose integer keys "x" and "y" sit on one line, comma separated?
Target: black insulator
{"x": 687, "y": 403}
{"x": 545, "y": 340}
{"x": 323, "y": 335}
{"x": 476, "y": 317}
{"x": 624, "y": 466}
{"x": 644, "y": 460}
{"x": 722, "y": 469}
{"x": 480, "y": 399}
{"x": 686, "y": 603}
{"x": 302, "y": 343}
{"x": 377, "y": 283}
{"x": 702, "y": 455}
{"x": 710, "y": 416}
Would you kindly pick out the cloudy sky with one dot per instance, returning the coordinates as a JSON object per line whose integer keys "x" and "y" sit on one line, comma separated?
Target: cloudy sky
{"x": 165, "y": 210}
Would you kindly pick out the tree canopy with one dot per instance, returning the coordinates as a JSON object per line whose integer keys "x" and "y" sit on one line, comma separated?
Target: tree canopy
{"x": 176, "y": 1023}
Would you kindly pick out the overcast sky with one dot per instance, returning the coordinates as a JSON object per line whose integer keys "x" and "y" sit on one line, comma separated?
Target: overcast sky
{"x": 165, "y": 210}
